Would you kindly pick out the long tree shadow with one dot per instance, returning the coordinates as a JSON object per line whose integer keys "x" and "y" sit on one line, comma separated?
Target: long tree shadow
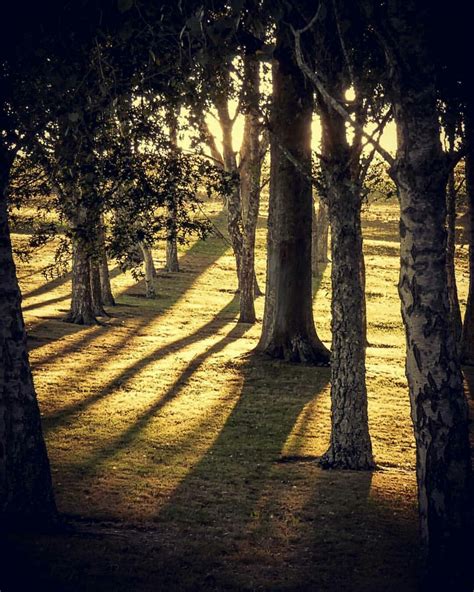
{"x": 195, "y": 262}
{"x": 126, "y": 438}
{"x": 220, "y": 498}
{"x": 68, "y": 413}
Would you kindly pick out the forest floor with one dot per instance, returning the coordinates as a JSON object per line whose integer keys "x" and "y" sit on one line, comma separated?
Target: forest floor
{"x": 183, "y": 463}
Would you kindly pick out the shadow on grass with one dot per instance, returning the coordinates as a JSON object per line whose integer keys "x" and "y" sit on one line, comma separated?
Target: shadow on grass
{"x": 126, "y": 438}
{"x": 221, "y": 499}
{"x": 195, "y": 262}
{"x": 68, "y": 413}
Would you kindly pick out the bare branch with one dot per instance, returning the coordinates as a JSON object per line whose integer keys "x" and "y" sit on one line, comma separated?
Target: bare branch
{"x": 329, "y": 100}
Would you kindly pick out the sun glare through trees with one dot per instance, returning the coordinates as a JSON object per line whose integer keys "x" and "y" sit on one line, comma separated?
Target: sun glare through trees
{"x": 236, "y": 296}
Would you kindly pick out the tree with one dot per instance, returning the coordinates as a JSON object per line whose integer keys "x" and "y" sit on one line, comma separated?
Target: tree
{"x": 288, "y": 327}
{"x": 439, "y": 408}
{"x": 343, "y": 168}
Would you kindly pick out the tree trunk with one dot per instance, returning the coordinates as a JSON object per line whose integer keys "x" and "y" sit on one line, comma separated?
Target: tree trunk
{"x": 172, "y": 264}
{"x": 454, "y": 308}
{"x": 288, "y": 327}
{"x": 438, "y": 404}
{"x": 96, "y": 289}
{"x": 320, "y": 240}
{"x": 26, "y": 493}
{"x": 234, "y": 214}
{"x": 467, "y": 342}
{"x": 150, "y": 271}
{"x": 82, "y": 310}
{"x": 105, "y": 286}
{"x": 350, "y": 446}
{"x": 250, "y": 172}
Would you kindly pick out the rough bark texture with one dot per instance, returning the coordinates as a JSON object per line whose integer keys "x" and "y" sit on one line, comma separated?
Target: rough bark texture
{"x": 438, "y": 404}
{"x": 82, "y": 309}
{"x": 350, "y": 446}
{"x": 26, "y": 494}
{"x": 288, "y": 327}
{"x": 454, "y": 308}
{"x": 150, "y": 271}
{"x": 467, "y": 343}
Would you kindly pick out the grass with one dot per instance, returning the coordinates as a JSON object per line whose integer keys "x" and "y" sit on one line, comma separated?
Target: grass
{"x": 184, "y": 463}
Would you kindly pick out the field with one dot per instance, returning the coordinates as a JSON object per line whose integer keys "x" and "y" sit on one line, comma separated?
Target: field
{"x": 182, "y": 462}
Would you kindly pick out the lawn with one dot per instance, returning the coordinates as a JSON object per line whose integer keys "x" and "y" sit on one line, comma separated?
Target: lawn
{"x": 182, "y": 462}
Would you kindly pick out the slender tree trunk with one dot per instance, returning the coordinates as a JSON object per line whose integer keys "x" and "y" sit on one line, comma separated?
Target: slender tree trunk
{"x": 454, "y": 308}
{"x": 288, "y": 327}
{"x": 150, "y": 271}
{"x": 26, "y": 493}
{"x": 172, "y": 264}
{"x": 350, "y": 446}
{"x": 438, "y": 404}
{"x": 250, "y": 172}
{"x": 467, "y": 342}
{"x": 96, "y": 289}
{"x": 82, "y": 309}
{"x": 234, "y": 212}
{"x": 320, "y": 237}
{"x": 105, "y": 286}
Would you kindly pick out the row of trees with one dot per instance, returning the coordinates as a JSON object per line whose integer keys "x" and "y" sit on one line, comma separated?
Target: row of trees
{"x": 90, "y": 112}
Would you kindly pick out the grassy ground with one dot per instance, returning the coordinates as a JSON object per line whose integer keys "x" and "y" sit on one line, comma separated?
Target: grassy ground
{"x": 183, "y": 463}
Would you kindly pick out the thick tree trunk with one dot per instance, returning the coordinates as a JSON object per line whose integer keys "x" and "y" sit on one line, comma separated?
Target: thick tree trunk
{"x": 150, "y": 271}
{"x": 467, "y": 342}
{"x": 288, "y": 327}
{"x": 26, "y": 493}
{"x": 438, "y": 404}
{"x": 454, "y": 308}
{"x": 82, "y": 309}
{"x": 105, "y": 285}
{"x": 350, "y": 446}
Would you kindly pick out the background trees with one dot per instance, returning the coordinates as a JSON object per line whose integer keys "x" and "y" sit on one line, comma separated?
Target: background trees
{"x": 91, "y": 125}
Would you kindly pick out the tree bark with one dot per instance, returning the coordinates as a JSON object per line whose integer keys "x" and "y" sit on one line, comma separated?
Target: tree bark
{"x": 350, "y": 446}
{"x": 172, "y": 263}
{"x": 250, "y": 172}
{"x": 438, "y": 404}
{"x": 150, "y": 271}
{"x": 234, "y": 216}
{"x": 82, "y": 309}
{"x": 320, "y": 237}
{"x": 467, "y": 340}
{"x": 454, "y": 308}
{"x": 96, "y": 289}
{"x": 26, "y": 492}
{"x": 288, "y": 327}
